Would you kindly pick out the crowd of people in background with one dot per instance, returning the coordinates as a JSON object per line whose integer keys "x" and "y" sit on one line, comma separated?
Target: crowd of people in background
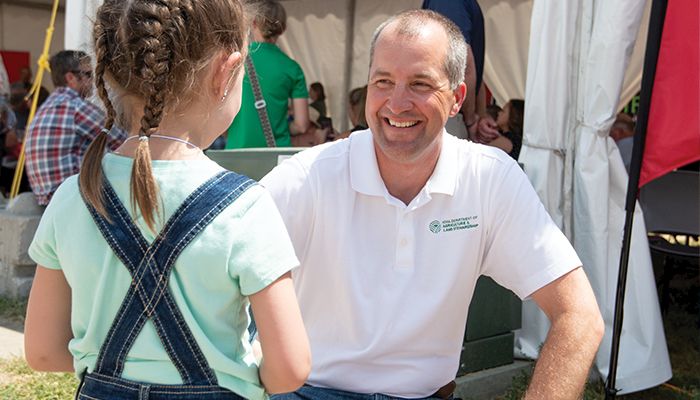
{"x": 297, "y": 116}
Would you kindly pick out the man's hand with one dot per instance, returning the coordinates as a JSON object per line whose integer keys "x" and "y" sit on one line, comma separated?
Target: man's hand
{"x": 573, "y": 339}
{"x": 486, "y": 130}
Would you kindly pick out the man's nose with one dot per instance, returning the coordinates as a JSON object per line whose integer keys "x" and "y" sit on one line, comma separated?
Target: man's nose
{"x": 399, "y": 100}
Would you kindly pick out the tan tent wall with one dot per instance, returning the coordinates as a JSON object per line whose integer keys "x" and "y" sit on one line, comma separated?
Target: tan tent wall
{"x": 23, "y": 28}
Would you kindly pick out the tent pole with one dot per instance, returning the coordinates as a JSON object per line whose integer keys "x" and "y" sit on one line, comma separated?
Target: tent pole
{"x": 656, "y": 23}
{"x": 349, "y": 50}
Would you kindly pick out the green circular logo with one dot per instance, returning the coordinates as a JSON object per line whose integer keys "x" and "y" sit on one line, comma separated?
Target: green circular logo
{"x": 435, "y": 226}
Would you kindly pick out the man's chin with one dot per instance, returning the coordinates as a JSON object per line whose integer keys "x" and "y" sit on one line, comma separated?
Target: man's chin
{"x": 399, "y": 151}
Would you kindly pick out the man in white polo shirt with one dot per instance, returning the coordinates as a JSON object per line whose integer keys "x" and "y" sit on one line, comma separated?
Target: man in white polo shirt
{"x": 394, "y": 225}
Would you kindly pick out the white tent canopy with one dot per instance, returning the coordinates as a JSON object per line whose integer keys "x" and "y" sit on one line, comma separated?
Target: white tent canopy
{"x": 577, "y": 58}
{"x": 330, "y": 40}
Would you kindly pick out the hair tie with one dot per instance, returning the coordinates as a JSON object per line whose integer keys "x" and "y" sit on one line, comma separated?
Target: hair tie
{"x": 105, "y": 131}
{"x": 143, "y": 138}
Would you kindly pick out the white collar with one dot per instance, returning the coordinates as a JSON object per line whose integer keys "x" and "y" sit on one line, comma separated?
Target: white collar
{"x": 364, "y": 171}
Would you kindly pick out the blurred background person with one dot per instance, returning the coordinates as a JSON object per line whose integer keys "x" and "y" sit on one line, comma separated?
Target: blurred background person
{"x": 492, "y": 111}
{"x": 64, "y": 126}
{"x": 280, "y": 79}
{"x": 13, "y": 123}
{"x": 509, "y": 123}
{"x": 318, "y": 99}
{"x": 356, "y": 111}
{"x": 25, "y": 78}
{"x": 319, "y": 131}
{"x": 467, "y": 15}
{"x": 622, "y": 132}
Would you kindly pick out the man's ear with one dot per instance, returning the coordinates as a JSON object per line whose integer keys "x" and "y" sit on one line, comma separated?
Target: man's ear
{"x": 460, "y": 94}
{"x": 71, "y": 80}
{"x": 226, "y": 66}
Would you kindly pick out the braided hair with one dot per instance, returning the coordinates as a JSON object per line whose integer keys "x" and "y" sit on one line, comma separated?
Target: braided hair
{"x": 153, "y": 50}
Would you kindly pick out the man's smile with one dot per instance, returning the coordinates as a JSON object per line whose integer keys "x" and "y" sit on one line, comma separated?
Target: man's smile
{"x": 401, "y": 124}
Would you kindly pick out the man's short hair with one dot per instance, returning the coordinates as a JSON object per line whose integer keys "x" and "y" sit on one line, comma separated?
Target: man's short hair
{"x": 409, "y": 23}
{"x": 66, "y": 61}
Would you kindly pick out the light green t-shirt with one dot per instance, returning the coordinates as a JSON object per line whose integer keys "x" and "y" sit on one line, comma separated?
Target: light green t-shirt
{"x": 281, "y": 79}
{"x": 243, "y": 250}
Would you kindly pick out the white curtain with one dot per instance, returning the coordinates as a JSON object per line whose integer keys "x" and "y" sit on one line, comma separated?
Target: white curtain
{"x": 507, "y": 26}
{"x": 4, "y": 80}
{"x": 79, "y": 17}
{"x": 578, "y": 54}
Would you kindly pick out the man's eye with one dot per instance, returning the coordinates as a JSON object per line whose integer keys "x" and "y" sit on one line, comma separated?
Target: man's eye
{"x": 422, "y": 86}
{"x": 382, "y": 83}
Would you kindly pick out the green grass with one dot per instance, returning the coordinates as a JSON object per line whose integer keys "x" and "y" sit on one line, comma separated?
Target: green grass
{"x": 676, "y": 389}
{"x": 18, "y": 381}
{"x": 12, "y": 310}
{"x": 681, "y": 325}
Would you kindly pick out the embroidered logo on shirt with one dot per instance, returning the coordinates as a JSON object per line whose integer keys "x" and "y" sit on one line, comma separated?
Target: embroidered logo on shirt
{"x": 454, "y": 224}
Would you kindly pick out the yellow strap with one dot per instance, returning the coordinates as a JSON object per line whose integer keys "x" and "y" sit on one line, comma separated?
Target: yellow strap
{"x": 34, "y": 92}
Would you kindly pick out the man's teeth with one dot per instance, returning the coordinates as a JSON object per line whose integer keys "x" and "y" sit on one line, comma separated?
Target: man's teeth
{"x": 402, "y": 124}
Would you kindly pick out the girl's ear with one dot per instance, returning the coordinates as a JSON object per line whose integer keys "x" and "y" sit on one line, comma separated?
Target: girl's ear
{"x": 226, "y": 66}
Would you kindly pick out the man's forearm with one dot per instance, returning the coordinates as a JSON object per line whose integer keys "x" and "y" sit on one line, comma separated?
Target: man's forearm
{"x": 566, "y": 357}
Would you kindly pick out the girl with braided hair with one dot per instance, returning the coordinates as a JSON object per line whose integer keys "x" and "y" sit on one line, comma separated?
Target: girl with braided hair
{"x": 147, "y": 297}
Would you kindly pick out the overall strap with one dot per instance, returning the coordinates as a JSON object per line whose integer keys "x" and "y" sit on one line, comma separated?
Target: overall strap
{"x": 149, "y": 296}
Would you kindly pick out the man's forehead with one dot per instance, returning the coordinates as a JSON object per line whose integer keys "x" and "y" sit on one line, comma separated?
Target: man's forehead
{"x": 424, "y": 74}
{"x": 423, "y": 44}
{"x": 428, "y": 37}
{"x": 402, "y": 30}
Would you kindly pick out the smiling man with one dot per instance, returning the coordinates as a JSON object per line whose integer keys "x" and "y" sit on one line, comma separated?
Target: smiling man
{"x": 394, "y": 225}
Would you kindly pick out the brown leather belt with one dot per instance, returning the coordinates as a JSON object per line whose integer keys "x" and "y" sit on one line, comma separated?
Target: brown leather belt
{"x": 446, "y": 391}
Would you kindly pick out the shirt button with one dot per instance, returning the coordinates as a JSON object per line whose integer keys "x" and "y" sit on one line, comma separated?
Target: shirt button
{"x": 403, "y": 242}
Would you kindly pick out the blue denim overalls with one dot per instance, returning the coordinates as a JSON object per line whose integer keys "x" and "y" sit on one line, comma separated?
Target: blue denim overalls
{"x": 149, "y": 297}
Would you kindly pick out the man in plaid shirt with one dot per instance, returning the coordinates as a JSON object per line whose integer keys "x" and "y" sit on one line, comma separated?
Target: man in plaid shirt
{"x": 64, "y": 126}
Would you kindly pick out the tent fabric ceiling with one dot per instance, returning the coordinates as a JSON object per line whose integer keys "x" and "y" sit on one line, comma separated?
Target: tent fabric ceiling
{"x": 319, "y": 33}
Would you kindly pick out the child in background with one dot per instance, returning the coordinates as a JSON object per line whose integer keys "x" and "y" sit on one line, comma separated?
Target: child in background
{"x": 510, "y": 125}
{"x": 318, "y": 100}
{"x": 356, "y": 111}
{"x": 149, "y": 258}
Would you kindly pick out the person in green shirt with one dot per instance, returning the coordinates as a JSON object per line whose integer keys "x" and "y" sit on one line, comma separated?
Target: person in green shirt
{"x": 281, "y": 79}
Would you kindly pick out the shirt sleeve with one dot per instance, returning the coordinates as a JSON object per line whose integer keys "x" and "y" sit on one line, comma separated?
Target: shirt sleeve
{"x": 291, "y": 189}
{"x": 525, "y": 250}
{"x": 43, "y": 247}
{"x": 262, "y": 250}
{"x": 89, "y": 119}
{"x": 299, "y": 91}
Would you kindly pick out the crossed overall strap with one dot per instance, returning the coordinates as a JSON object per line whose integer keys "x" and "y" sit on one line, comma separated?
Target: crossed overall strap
{"x": 149, "y": 296}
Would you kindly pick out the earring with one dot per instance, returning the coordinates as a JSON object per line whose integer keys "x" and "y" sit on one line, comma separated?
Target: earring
{"x": 225, "y": 94}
